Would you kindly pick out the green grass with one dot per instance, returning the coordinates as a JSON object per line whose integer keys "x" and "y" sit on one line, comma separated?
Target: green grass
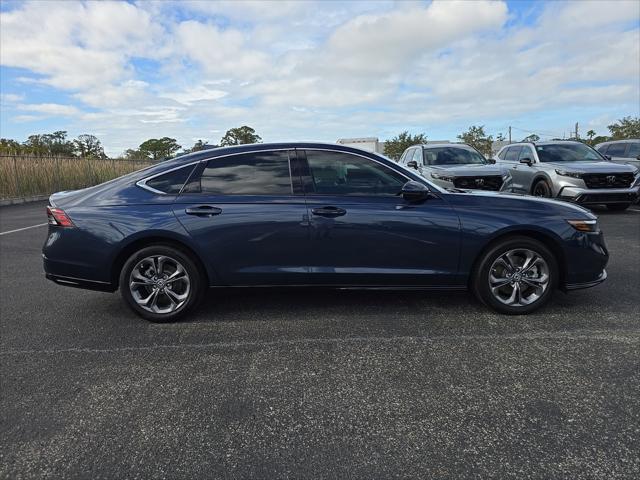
{"x": 24, "y": 176}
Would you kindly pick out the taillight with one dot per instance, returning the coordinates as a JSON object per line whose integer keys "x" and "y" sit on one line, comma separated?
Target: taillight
{"x": 58, "y": 217}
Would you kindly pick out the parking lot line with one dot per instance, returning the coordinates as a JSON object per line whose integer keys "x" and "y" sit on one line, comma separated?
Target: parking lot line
{"x": 21, "y": 229}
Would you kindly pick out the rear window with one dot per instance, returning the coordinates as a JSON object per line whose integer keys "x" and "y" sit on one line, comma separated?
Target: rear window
{"x": 255, "y": 173}
{"x": 170, "y": 182}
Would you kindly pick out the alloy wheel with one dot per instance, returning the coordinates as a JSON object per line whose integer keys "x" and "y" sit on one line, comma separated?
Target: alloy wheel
{"x": 159, "y": 284}
{"x": 519, "y": 277}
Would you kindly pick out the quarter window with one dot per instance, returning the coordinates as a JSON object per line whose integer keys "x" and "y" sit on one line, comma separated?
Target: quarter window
{"x": 337, "y": 173}
{"x": 255, "y": 173}
{"x": 170, "y": 182}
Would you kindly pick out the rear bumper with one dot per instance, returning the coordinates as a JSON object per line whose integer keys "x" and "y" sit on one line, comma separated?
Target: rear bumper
{"x": 57, "y": 272}
{"x": 585, "y": 196}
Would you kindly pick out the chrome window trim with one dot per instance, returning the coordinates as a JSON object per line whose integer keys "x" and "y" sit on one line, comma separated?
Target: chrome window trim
{"x": 142, "y": 183}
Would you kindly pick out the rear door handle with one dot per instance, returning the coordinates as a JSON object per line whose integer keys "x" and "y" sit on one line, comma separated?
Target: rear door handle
{"x": 203, "y": 211}
{"x": 329, "y": 212}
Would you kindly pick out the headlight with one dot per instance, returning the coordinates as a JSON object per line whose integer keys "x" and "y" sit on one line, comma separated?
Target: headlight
{"x": 445, "y": 178}
{"x": 567, "y": 173}
{"x": 587, "y": 226}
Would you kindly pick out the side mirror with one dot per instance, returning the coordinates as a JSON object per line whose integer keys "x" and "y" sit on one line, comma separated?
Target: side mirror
{"x": 412, "y": 164}
{"x": 526, "y": 161}
{"x": 415, "y": 192}
{"x": 491, "y": 160}
{"x": 608, "y": 157}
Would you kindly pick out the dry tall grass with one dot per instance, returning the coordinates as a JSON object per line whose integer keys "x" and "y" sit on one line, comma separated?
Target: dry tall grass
{"x": 23, "y": 176}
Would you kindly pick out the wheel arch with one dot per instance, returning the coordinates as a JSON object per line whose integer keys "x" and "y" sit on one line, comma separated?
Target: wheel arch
{"x": 542, "y": 176}
{"x": 156, "y": 238}
{"x": 547, "y": 238}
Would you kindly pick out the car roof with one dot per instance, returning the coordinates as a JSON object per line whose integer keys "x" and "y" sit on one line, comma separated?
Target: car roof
{"x": 625, "y": 140}
{"x": 462, "y": 146}
{"x": 253, "y": 147}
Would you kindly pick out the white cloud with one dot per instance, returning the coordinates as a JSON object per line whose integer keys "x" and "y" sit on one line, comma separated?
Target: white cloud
{"x": 314, "y": 69}
{"x": 50, "y": 109}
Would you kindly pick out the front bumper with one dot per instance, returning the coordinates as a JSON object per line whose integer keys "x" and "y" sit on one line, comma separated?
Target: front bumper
{"x": 578, "y": 286}
{"x": 586, "y": 196}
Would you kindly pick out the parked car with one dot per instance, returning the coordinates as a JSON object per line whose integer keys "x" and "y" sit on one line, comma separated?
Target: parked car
{"x": 571, "y": 171}
{"x": 314, "y": 215}
{"x": 621, "y": 151}
{"x": 456, "y": 166}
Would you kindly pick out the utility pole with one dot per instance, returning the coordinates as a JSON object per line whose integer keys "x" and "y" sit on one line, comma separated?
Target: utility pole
{"x": 577, "y": 137}
{"x": 509, "y": 134}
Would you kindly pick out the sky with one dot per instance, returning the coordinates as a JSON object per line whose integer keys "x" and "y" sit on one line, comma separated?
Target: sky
{"x": 315, "y": 70}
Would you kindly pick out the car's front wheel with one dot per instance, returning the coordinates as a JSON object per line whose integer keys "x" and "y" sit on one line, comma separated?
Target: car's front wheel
{"x": 541, "y": 189}
{"x": 516, "y": 276}
{"x": 160, "y": 283}
{"x": 618, "y": 207}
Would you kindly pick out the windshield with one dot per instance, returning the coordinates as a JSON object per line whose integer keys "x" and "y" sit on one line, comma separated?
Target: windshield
{"x": 452, "y": 156}
{"x": 568, "y": 152}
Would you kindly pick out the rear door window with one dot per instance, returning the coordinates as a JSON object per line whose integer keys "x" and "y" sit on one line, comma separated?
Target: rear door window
{"x": 254, "y": 173}
{"x": 341, "y": 173}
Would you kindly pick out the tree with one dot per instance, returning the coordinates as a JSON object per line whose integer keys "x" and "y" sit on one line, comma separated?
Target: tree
{"x": 135, "y": 154}
{"x": 627, "y": 127}
{"x": 240, "y": 136}
{"x": 89, "y": 146}
{"x": 395, "y": 147}
{"x": 531, "y": 138}
{"x": 476, "y": 137}
{"x": 157, "y": 148}
{"x": 10, "y": 146}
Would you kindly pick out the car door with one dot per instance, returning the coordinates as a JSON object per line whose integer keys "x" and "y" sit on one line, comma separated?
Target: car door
{"x": 522, "y": 174}
{"x": 246, "y": 219}
{"x": 510, "y": 161}
{"x": 364, "y": 233}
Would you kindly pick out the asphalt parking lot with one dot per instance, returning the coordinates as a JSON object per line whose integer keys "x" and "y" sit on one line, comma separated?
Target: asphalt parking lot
{"x": 326, "y": 384}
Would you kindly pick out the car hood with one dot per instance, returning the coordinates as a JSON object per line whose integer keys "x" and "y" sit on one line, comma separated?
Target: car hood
{"x": 511, "y": 197}
{"x": 467, "y": 170}
{"x": 593, "y": 167}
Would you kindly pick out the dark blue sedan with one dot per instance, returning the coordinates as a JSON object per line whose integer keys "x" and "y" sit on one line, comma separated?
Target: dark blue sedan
{"x": 309, "y": 214}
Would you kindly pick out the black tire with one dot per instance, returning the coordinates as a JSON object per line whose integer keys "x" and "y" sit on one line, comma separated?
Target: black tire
{"x": 618, "y": 207}
{"x": 541, "y": 189}
{"x": 480, "y": 277}
{"x": 196, "y": 283}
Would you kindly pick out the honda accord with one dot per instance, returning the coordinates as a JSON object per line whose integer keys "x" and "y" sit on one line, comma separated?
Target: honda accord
{"x": 312, "y": 215}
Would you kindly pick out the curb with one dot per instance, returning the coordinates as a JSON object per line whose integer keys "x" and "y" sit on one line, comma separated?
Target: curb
{"x": 16, "y": 201}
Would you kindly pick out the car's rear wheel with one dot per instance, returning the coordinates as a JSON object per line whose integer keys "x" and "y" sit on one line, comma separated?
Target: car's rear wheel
{"x": 541, "y": 189}
{"x": 516, "y": 276}
{"x": 618, "y": 207}
{"x": 161, "y": 283}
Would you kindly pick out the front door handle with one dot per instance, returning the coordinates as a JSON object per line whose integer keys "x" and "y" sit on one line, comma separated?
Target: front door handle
{"x": 329, "y": 212}
{"x": 203, "y": 211}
